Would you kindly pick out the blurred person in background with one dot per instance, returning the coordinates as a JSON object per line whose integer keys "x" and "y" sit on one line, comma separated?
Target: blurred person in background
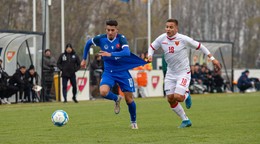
{"x": 31, "y": 78}
{"x": 96, "y": 70}
{"x": 142, "y": 78}
{"x": 244, "y": 82}
{"x": 3, "y": 85}
{"x": 164, "y": 69}
{"x": 209, "y": 82}
{"x": 219, "y": 82}
{"x": 17, "y": 83}
{"x": 69, "y": 64}
{"x": 49, "y": 64}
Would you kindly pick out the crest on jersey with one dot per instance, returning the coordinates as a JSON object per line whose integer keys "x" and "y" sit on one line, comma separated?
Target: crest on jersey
{"x": 155, "y": 81}
{"x": 177, "y": 43}
{"x": 117, "y": 46}
{"x": 106, "y": 46}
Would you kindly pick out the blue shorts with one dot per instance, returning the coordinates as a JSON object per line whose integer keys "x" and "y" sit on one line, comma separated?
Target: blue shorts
{"x": 123, "y": 78}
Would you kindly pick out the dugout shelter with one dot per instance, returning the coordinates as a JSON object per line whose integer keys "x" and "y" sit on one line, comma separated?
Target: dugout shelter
{"x": 223, "y": 52}
{"x": 21, "y": 48}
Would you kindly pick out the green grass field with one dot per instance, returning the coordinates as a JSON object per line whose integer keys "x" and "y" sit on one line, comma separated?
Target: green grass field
{"x": 217, "y": 119}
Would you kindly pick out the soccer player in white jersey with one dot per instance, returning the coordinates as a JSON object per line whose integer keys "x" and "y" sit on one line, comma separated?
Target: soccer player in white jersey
{"x": 178, "y": 73}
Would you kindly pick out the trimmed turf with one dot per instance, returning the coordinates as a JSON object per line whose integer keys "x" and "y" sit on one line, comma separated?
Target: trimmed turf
{"x": 217, "y": 119}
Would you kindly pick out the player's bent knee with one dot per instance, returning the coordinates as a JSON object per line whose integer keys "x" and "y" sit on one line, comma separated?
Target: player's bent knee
{"x": 179, "y": 97}
{"x": 104, "y": 90}
{"x": 103, "y": 93}
{"x": 171, "y": 98}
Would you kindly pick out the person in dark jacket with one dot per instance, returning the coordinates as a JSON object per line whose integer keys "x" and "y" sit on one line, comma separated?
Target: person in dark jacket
{"x": 244, "y": 82}
{"x": 69, "y": 64}
{"x": 96, "y": 70}
{"x": 17, "y": 83}
{"x": 31, "y": 79}
{"x": 49, "y": 64}
{"x": 3, "y": 85}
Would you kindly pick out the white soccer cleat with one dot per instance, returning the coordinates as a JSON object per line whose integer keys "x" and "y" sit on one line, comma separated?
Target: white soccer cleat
{"x": 6, "y": 101}
{"x": 134, "y": 126}
{"x": 2, "y": 101}
{"x": 117, "y": 105}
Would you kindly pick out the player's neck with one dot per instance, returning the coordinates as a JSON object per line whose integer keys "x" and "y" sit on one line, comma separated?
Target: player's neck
{"x": 174, "y": 35}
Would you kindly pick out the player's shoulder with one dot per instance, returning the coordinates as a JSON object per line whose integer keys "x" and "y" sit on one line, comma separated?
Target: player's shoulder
{"x": 121, "y": 36}
{"x": 183, "y": 37}
{"x": 161, "y": 37}
{"x": 122, "y": 39}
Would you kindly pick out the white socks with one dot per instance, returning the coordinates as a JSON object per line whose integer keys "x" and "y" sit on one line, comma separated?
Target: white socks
{"x": 178, "y": 109}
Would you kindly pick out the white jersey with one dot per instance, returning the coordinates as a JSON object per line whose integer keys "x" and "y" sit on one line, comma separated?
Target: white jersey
{"x": 175, "y": 50}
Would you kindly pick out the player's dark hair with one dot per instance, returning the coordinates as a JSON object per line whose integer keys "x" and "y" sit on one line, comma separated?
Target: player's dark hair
{"x": 47, "y": 50}
{"x": 69, "y": 45}
{"x": 111, "y": 22}
{"x": 22, "y": 67}
{"x": 173, "y": 20}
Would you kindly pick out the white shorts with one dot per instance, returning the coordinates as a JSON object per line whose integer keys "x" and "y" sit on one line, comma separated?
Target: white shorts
{"x": 177, "y": 82}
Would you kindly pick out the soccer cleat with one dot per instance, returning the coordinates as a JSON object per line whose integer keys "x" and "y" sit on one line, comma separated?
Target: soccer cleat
{"x": 74, "y": 99}
{"x": 134, "y": 125}
{"x": 188, "y": 101}
{"x": 5, "y": 101}
{"x": 185, "y": 123}
{"x": 2, "y": 101}
{"x": 117, "y": 105}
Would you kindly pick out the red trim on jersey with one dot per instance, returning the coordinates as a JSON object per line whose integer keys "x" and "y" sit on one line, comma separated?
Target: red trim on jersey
{"x": 188, "y": 72}
{"x": 171, "y": 38}
{"x": 174, "y": 105}
{"x": 152, "y": 47}
{"x": 198, "y": 47}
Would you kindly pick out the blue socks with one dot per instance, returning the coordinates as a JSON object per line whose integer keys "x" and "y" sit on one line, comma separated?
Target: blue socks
{"x": 111, "y": 96}
{"x": 131, "y": 106}
{"x": 132, "y": 111}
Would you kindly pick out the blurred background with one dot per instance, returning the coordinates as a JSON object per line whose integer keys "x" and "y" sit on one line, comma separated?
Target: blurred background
{"x": 234, "y": 21}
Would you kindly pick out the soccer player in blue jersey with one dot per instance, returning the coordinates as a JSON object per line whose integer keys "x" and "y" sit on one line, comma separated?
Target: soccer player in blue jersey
{"x": 117, "y": 61}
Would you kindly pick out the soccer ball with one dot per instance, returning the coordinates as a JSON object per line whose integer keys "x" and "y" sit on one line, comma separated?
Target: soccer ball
{"x": 59, "y": 118}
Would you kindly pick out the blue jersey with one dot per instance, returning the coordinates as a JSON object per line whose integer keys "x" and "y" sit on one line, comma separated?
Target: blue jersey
{"x": 121, "y": 58}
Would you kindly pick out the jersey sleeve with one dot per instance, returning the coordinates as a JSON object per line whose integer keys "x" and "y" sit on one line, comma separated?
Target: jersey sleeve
{"x": 192, "y": 43}
{"x": 196, "y": 45}
{"x": 155, "y": 45}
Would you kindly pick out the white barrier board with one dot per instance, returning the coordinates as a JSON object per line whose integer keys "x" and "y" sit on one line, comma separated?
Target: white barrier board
{"x": 82, "y": 87}
{"x": 155, "y": 82}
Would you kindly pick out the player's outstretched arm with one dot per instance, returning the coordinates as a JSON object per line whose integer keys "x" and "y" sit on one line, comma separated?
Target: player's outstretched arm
{"x": 86, "y": 49}
{"x": 207, "y": 52}
{"x": 150, "y": 53}
{"x": 215, "y": 62}
{"x": 85, "y": 53}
